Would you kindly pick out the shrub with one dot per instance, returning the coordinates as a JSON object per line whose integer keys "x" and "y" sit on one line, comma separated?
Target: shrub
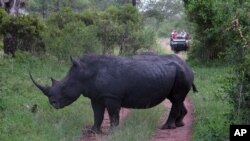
{"x": 67, "y": 35}
{"x": 223, "y": 32}
{"x": 21, "y": 32}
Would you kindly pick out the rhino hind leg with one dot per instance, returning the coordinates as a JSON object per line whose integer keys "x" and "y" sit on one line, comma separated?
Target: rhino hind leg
{"x": 174, "y": 113}
{"x": 178, "y": 110}
{"x": 98, "y": 116}
{"x": 113, "y": 107}
{"x": 179, "y": 119}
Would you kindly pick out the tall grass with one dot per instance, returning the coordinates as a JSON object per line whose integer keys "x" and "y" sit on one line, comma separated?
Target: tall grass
{"x": 20, "y": 119}
{"x": 212, "y": 107}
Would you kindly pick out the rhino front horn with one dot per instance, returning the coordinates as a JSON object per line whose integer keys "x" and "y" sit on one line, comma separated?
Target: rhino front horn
{"x": 44, "y": 89}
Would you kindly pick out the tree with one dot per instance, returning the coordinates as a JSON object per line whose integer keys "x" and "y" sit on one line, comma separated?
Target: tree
{"x": 222, "y": 31}
{"x": 134, "y": 2}
{"x": 165, "y": 8}
{"x": 20, "y": 32}
{"x": 46, "y": 7}
{"x": 210, "y": 21}
{"x": 13, "y": 7}
{"x": 118, "y": 26}
{"x": 163, "y": 15}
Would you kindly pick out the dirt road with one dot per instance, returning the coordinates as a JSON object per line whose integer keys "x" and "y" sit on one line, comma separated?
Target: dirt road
{"x": 179, "y": 134}
{"x": 165, "y": 44}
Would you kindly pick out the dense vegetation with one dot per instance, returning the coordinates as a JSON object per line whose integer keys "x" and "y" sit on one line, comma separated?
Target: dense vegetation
{"x": 222, "y": 31}
{"x": 74, "y": 33}
{"x": 222, "y": 34}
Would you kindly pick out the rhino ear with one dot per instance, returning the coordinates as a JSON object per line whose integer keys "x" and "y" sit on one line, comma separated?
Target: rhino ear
{"x": 74, "y": 61}
{"x": 54, "y": 82}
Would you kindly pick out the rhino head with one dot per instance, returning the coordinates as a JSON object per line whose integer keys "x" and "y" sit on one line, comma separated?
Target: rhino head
{"x": 64, "y": 92}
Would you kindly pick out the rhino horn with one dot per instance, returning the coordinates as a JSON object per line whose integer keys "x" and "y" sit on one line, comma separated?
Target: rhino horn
{"x": 44, "y": 89}
{"x": 74, "y": 61}
{"x": 54, "y": 82}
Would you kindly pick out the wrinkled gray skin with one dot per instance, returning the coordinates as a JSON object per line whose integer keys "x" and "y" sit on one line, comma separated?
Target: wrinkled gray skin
{"x": 137, "y": 82}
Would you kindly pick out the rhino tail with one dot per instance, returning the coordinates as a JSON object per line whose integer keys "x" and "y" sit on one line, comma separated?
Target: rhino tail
{"x": 194, "y": 88}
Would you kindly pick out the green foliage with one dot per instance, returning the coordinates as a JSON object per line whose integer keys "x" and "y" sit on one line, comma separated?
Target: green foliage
{"x": 67, "y": 35}
{"x": 165, "y": 16}
{"x": 3, "y": 19}
{"x": 223, "y": 31}
{"x": 174, "y": 23}
{"x": 24, "y": 30}
{"x": 213, "y": 107}
{"x": 213, "y": 23}
{"x": 119, "y": 27}
{"x": 45, "y": 7}
{"x": 70, "y": 33}
{"x": 142, "y": 40}
{"x": 108, "y": 28}
{"x": 202, "y": 13}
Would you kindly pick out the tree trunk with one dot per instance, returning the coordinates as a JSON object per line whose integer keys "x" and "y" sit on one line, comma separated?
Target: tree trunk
{"x": 134, "y": 2}
{"x": 2, "y": 4}
{"x": 9, "y": 44}
{"x": 122, "y": 44}
{"x": 57, "y": 5}
{"x": 13, "y": 7}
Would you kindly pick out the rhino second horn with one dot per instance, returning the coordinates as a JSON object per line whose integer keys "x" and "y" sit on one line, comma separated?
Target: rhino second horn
{"x": 44, "y": 89}
{"x": 54, "y": 81}
{"x": 74, "y": 61}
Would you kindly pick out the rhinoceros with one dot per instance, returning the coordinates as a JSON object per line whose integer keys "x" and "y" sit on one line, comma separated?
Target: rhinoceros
{"x": 112, "y": 82}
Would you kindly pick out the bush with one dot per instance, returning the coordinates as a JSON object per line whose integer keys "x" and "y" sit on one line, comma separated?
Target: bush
{"x": 67, "y": 35}
{"x": 21, "y": 32}
{"x": 70, "y": 34}
{"x": 144, "y": 39}
{"x": 223, "y": 32}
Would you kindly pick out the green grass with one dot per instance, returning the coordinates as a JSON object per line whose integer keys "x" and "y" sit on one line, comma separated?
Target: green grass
{"x": 139, "y": 126}
{"x": 18, "y": 95}
{"x": 212, "y": 107}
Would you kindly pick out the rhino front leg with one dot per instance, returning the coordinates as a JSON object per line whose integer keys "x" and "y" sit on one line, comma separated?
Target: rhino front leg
{"x": 98, "y": 109}
{"x": 113, "y": 107}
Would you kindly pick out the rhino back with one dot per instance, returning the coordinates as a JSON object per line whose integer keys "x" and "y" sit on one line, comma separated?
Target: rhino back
{"x": 136, "y": 83}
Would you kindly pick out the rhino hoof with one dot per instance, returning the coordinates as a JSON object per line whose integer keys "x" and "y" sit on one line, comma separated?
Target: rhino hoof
{"x": 94, "y": 131}
{"x": 165, "y": 126}
{"x": 179, "y": 124}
